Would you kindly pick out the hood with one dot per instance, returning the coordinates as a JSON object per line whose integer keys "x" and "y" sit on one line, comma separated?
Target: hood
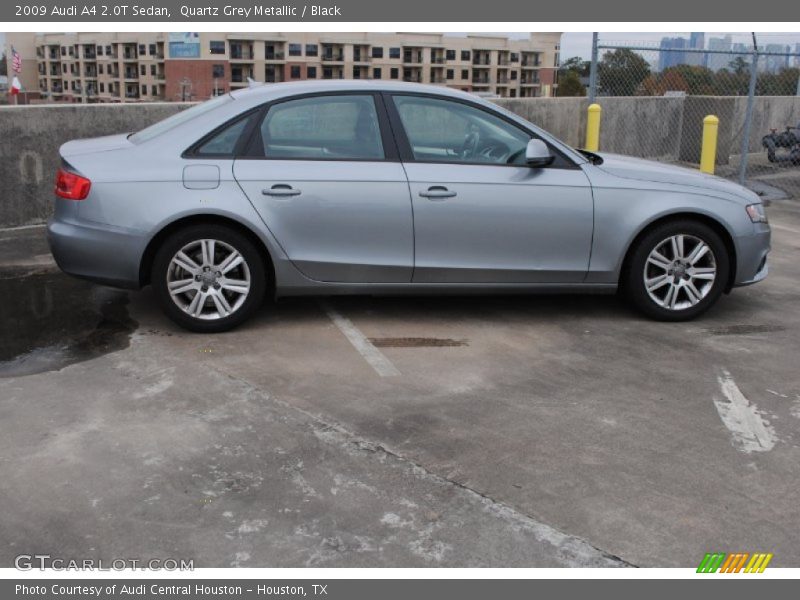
{"x": 98, "y": 144}
{"x": 648, "y": 170}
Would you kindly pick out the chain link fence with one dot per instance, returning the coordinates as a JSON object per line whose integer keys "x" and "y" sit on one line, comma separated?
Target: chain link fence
{"x": 664, "y": 90}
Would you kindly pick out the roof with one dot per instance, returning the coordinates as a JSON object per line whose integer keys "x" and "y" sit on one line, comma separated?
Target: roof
{"x": 264, "y": 91}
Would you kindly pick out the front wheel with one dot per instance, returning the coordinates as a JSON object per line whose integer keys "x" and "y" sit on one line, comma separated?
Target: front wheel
{"x": 677, "y": 271}
{"x": 208, "y": 278}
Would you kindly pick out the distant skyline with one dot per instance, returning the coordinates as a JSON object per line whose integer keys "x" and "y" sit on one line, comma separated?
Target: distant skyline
{"x": 580, "y": 44}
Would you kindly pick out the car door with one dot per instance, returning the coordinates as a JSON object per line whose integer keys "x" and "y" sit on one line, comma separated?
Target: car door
{"x": 481, "y": 215}
{"x": 323, "y": 173}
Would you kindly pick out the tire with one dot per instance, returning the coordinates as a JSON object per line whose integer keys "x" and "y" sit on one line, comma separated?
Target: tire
{"x": 205, "y": 293}
{"x": 687, "y": 288}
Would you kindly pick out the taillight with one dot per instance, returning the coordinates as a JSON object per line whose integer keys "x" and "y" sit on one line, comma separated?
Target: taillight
{"x": 72, "y": 186}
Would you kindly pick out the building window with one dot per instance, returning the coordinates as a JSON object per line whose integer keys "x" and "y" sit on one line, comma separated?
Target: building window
{"x": 295, "y": 50}
{"x": 152, "y": 49}
{"x": 143, "y": 70}
{"x": 513, "y": 75}
{"x": 394, "y": 73}
{"x": 71, "y": 51}
{"x": 312, "y": 50}
{"x": 142, "y": 50}
{"x": 144, "y": 90}
{"x": 100, "y": 69}
{"x": 465, "y": 55}
{"x": 376, "y": 73}
{"x": 327, "y": 73}
{"x": 394, "y": 52}
{"x": 217, "y": 47}
{"x": 450, "y": 74}
{"x": 377, "y": 51}
{"x": 217, "y": 71}
{"x": 108, "y": 50}
{"x": 102, "y": 88}
{"x": 63, "y": 50}
{"x": 311, "y": 72}
{"x": 450, "y": 54}
{"x": 154, "y": 91}
{"x": 153, "y": 70}
{"x": 99, "y": 51}
{"x": 464, "y": 73}
{"x": 294, "y": 72}
{"x": 514, "y": 57}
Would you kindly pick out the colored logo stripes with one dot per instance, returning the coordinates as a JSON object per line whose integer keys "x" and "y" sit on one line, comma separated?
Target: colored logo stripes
{"x": 734, "y": 563}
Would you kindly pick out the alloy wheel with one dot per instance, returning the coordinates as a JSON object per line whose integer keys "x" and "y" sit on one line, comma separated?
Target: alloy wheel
{"x": 208, "y": 279}
{"x": 679, "y": 272}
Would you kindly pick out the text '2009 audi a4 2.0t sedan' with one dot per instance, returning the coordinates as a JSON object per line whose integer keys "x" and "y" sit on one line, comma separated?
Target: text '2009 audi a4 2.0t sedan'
{"x": 375, "y": 187}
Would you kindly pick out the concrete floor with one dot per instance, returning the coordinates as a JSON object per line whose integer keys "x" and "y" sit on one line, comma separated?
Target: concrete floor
{"x": 522, "y": 431}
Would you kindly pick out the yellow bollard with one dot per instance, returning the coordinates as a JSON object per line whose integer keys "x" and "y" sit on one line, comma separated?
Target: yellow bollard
{"x": 593, "y": 128}
{"x": 708, "y": 153}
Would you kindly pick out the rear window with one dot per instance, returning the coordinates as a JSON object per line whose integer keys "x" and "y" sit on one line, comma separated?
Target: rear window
{"x": 177, "y": 119}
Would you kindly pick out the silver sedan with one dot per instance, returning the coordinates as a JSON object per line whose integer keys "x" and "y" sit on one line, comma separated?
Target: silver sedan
{"x": 354, "y": 187}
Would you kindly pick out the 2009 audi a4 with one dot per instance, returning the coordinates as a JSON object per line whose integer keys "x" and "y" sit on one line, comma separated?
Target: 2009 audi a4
{"x": 376, "y": 187}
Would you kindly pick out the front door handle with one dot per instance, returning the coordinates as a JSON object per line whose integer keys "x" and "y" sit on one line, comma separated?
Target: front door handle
{"x": 437, "y": 192}
{"x": 281, "y": 189}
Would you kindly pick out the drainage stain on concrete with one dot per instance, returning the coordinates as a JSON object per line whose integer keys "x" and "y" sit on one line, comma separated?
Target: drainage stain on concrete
{"x": 416, "y": 342}
{"x": 49, "y": 321}
{"x": 744, "y": 329}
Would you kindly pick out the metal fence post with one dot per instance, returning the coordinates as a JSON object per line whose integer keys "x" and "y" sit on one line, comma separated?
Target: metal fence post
{"x": 748, "y": 119}
{"x": 593, "y": 71}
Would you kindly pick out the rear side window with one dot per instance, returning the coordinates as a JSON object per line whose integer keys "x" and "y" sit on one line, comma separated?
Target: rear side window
{"x": 341, "y": 127}
{"x": 177, "y": 119}
{"x": 224, "y": 142}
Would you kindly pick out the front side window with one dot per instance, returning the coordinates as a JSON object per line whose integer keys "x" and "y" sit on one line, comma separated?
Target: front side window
{"x": 394, "y": 52}
{"x": 216, "y": 47}
{"x": 377, "y": 52}
{"x": 295, "y": 49}
{"x": 446, "y": 131}
{"x": 324, "y": 127}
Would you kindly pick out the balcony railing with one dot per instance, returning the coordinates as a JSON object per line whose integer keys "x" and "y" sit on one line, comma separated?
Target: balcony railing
{"x": 241, "y": 54}
{"x": 274, "y": 56}
{"x": 333, "y": 57}
{"x": 481, "y": 60}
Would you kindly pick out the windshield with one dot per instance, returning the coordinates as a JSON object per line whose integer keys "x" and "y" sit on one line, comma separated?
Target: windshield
{"x": 195, "y": 111}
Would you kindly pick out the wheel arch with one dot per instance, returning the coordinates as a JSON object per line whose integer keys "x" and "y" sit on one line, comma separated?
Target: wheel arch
{"x": 148, "y": 256}
{"x": 716, "y": 225}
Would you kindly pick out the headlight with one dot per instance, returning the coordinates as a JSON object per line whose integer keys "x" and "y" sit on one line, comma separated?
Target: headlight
{"x": 756, "y": 213}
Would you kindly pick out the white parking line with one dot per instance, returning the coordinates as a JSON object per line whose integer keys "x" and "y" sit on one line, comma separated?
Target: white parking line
{"x": 750, "y": 432}
{"x": 376, "y": 359}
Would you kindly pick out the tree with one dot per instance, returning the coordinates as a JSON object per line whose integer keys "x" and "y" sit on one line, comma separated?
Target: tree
{"x": 3, "y": 65}
{"x": 739, "y": 65}
{"x": 621, "y": 72}
{"x": 569, "y": 84}
{"x": 576, "y": 64}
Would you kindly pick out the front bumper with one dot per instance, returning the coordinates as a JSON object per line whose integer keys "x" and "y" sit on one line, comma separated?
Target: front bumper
{"x": 752, "y": 251}
{"x": 99, "y": 253}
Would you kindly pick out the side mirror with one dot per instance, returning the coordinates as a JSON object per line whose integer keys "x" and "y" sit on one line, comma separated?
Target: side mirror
{"x": 537, "y": 154}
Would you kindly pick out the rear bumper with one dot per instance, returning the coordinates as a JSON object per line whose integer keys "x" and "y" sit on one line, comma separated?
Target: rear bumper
{"x": 99, "y": 253}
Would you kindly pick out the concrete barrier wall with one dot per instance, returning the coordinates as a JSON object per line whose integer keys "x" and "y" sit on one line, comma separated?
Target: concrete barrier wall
{"x": 29, "y": 140}
{"x": 663, "y": 128}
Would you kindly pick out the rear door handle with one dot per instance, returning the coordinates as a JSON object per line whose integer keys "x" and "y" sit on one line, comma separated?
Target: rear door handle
{"x": 437, "y": 192}
{"x": 281, "y": 189}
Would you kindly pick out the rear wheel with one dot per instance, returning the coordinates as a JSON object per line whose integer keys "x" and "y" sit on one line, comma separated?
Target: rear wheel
{"x": 677, "y": 271}
{"x": 208, "y": 278}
